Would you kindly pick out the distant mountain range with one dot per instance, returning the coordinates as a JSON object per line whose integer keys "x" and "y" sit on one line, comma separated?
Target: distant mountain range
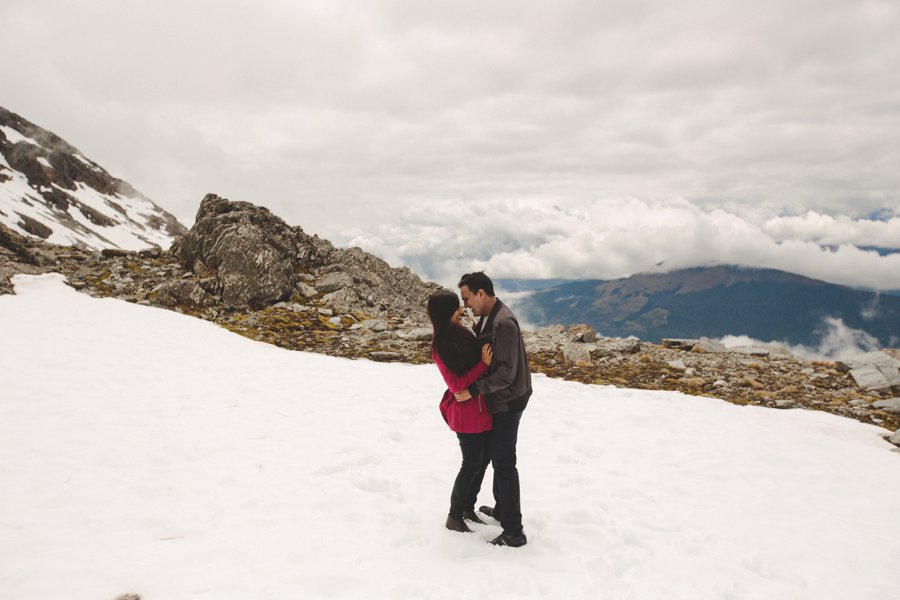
{"x": 50, "y": 190}
{"x": 764, "y": 304}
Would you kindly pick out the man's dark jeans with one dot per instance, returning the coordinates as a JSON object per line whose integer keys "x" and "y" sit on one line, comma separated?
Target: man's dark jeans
{"x": 507, "y": 504}
{"x": 476, "y": 457}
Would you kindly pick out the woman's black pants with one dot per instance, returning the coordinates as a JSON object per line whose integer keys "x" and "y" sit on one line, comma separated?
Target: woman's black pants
{"x": 476, "y": 455}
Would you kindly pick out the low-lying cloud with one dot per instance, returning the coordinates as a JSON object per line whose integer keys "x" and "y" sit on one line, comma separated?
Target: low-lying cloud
{"x": 837, "y": 341}
{"x": 608, "y": 239}
{"x": 838, "y": 230}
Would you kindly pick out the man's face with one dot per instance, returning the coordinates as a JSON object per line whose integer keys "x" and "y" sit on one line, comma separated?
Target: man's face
{"x": 473, "y": 300}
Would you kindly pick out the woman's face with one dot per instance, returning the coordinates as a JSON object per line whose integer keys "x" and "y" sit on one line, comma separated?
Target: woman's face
{"x": 456, "y": 316}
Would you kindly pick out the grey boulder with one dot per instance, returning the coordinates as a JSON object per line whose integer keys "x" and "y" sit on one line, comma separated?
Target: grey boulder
{"x": 710, "y": 346}
{"x": 574, "y": 353}
{"x": 895, "y": 439}
{"x": 250, "y": 252}
{"x": 891, "y": 405}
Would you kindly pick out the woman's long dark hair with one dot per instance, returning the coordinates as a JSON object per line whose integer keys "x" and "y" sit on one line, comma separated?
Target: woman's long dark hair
{"x": 455, "y": 346}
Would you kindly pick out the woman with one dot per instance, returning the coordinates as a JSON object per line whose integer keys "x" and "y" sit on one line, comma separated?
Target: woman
{"x": 461, "y": 361}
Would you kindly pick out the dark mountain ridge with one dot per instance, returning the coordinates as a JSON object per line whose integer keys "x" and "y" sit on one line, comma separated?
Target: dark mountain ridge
{"x": 764, "y": 304}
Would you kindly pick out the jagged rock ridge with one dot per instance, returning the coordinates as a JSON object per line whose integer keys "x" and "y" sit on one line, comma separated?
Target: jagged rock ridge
{"x": 239, "y": 254}
{"x": 50, "y": 190}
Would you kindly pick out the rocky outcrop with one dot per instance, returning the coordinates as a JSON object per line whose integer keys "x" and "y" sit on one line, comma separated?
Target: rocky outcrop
{"x": 895, "y": 438}
{"x": 678, "y": 343}
{"x": 707, "y": 345}
{"x": 891, "y": 405}
{"x": 15, "y": 257}
{"x": 14, "y": 246}
{"x": 376, "y": 286}
{"x": 875, "y": 371}
{"x": 250, "y": 255}
{"x": 241, "y": 255}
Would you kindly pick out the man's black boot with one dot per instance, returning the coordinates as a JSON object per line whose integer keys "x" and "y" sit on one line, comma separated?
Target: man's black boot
{"x": 486, "y": 510}
{"x": 513, "y": 541}
{"x": 471, "y": 516}
{"x": 457, "y": 525}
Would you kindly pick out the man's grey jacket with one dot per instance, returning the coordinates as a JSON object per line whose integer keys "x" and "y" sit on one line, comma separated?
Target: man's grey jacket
{"x": 507, "y": 384}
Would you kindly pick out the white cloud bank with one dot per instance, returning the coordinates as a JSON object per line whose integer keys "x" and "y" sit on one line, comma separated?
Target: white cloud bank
{"x": 616, "y": 238}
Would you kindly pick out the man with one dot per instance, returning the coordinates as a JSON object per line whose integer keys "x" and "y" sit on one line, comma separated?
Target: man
{"x": 507, "y": 387}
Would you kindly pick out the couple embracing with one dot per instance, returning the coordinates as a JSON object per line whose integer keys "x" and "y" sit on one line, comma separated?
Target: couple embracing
{"x": 489, "y": 384}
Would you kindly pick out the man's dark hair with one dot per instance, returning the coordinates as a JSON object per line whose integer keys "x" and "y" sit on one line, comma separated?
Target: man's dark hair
{"x": 477, "y": 281}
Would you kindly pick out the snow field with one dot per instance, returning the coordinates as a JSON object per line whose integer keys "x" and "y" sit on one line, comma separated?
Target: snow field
{"x": 144, "y": 451}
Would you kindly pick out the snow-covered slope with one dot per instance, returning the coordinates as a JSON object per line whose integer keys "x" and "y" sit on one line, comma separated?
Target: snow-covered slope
{"x": 50, "y": 190}
{"x": 148, "y": 452}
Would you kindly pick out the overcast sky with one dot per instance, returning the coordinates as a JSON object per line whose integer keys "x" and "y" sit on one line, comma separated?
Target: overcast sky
{"x": 531, "y": 138}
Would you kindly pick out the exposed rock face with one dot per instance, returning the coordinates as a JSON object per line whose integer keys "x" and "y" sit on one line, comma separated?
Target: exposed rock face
{"x": 876, "y": 371}
{"x": 15, "y": 257}
{"x": 376, "y": 285}
{"x": 678, "y": 343}
{"x": 251, "y": 253}
{"x": 891, "y": 405}
{"x": 333, "y": 282}
{"x": 243, "y": 255}
{"x": 51, "y": 191}
{"x": 607, "y": 346}
{"x": 184, "y": 292}
{"x": 582, "y": 333}
{"x": 575, "y": 353}
{"x": 878, "y": 358}
{"x": 707, "y": 345}
{"x": 14, "y": 245}
{"x": 895, "y": 438}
